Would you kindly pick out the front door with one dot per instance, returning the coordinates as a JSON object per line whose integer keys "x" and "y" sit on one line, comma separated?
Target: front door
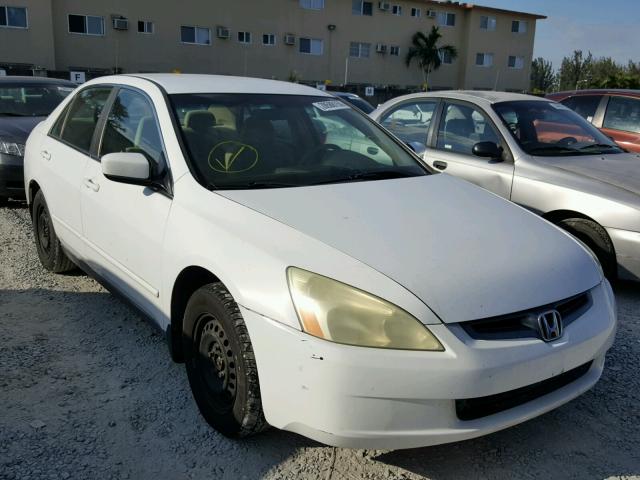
{"x": 461, "y": 126}
{"x": 124, "y": 224}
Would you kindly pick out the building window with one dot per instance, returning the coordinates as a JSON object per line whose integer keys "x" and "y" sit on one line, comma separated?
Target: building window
{"x": 145, "y": 27}
{"x": 362, "y": 8}
{"x": 519, "y": 26}
{"x": 86, "y": 24}
{"x": 484, "y": 59}
{"x": 269, "y": 39}
{"x": 394, "y": 50}
{"x": 312, "y": 4}
{"x": 244, "y": 37}
{"x": 396, "y": 9}
{"x": 359, "y": 50}
{"x": 515, "y": 62}
{"x": 487, "y": 23}
{"x": 446, "y": 19}
{"x": 13, "y": 17}
{"x": 195, "y": 35}
{"x": 445, "y": 57}
{"x": 416, "y": 12}
{"x": 311, "y": 46}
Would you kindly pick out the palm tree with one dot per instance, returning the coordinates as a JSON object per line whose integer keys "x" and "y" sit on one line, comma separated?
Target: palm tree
{"x": 426, "y": 52}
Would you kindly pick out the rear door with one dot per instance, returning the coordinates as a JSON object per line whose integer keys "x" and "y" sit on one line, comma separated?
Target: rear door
{"x": 460, "y": 126}
{"x": 64, "y": 155}
{"x": 621, "y": 121}
{"x": 123, "y": 223}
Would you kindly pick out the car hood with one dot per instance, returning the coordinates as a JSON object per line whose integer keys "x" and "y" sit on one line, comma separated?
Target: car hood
{"x": 18, "y": 128}
{"x": 621, "y": 170}
{"x": 464, "y": 252}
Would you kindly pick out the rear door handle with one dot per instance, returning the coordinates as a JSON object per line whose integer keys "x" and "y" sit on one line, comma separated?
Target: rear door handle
{"x": 440, "y": 165}
{"x": 89, "y": 183}
{"x": 46, "y": 155}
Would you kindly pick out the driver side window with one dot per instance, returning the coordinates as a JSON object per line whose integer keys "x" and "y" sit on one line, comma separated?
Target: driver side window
{"x": 132, "y": 126}
{"x": 462, "y": 126}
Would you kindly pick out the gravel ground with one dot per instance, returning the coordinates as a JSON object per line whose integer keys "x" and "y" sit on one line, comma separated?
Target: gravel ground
{"x": 87, "y": 390}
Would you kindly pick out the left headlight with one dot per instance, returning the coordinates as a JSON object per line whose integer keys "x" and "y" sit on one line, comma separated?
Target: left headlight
{"x": 340, "y": 313}
{"x": 11, "y": 148}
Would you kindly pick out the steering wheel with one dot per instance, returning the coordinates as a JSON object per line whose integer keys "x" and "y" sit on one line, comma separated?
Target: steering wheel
{"x": 320, "y": 149}
{"x": 567, "y": 141}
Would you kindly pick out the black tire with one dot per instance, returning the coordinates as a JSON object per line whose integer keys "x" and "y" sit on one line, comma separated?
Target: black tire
{"x": 220, "y": 363}
{"x": 597, "y": 239}
{"x": 4, "y": 201}
{"x": 50, "y": 252}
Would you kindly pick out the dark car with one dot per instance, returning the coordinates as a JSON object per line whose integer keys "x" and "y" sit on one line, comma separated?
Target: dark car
{"x": 24, "y": 102}
{"x": 355, "y": 100}
{"x": 615, "y": 112}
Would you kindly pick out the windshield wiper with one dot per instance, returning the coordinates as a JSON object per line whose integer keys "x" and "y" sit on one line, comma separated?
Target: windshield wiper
{"x": 600, "y": 146}
{"x": 364, "y": 176}
{"x": 251, "y": 185}
{"x": 552, "y": 148}
{"x": 13, "y": 114}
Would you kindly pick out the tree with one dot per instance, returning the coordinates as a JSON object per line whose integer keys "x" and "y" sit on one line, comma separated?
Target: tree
{"x": 427, "y": 54}
{"x": 542, "y": 75}
{"x": 575, "y": 71}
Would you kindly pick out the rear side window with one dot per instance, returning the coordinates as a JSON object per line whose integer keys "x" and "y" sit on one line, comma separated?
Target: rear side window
{"x": 83, "y": 116}
{"x": 132, "y": 126}
{"x": 410, "y": 121}
{"x": 623, "y": 113}
{"x": 584, "y": 105}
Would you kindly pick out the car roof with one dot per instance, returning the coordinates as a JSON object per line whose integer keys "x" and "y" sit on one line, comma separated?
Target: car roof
{"x": 177, "y": 83}
{"x": 345, "y": 95}
{"x": 17, "y": 79}
{"x": 595, "y": 91}
{"x": 475, "y": 96}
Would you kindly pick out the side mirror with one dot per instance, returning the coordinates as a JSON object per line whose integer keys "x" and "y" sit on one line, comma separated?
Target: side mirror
{"x": 488, "y": 150}
{"x": 418, "y": 147}
{"x": 126, "y": 167}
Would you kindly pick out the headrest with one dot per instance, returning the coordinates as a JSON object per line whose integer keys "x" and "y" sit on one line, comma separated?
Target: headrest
{"x": 258, "y": 128}
{"x": 199, "y": 120}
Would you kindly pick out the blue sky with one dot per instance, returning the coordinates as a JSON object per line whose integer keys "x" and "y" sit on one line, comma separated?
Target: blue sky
{"x": 609, "y": 28}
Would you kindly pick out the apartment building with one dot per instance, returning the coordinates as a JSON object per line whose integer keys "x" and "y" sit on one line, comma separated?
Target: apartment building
{"x": 314, "y": 41}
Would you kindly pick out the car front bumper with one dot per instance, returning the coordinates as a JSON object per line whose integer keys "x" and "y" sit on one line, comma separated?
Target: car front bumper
{"x": 11, "y": 176}
{"x": 627, "y": 247}
{"x": 375, "y": 398}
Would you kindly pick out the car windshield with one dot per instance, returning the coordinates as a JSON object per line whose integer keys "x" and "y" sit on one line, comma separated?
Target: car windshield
{"x": 31, "y": 100}
{"x": 550, "y": 129}
{"x": 238, "y": 141}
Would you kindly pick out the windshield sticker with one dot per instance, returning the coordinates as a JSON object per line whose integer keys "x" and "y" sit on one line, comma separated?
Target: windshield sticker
{"x": 559, "y": 106}
{"x": 331, "y": 105}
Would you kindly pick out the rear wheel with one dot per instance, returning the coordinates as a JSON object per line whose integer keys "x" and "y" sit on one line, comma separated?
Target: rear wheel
{"x": 597, "y": 239}
{"x": 220, "y": 363}
{"x": 50, "y": 252}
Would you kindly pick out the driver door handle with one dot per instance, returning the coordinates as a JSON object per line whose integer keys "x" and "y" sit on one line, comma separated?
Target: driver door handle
{"x": 89, "y": 183}
{"x": 440, "y": 165}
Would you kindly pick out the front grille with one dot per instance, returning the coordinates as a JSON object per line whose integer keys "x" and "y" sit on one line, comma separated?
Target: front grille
{"x": 474, "y": 408}
{"x": 525, "y": 324}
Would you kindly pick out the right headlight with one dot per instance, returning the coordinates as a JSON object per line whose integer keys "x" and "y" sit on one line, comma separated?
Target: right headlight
{"x": 337, "y": 312}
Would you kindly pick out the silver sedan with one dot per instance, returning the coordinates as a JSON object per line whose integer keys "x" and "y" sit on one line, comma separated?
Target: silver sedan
{"x": 537, "y": 153}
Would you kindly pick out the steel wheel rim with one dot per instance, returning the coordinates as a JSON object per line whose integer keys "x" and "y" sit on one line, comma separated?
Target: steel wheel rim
{"x": 216, "y": 363}
{"x": 44, "y": 230}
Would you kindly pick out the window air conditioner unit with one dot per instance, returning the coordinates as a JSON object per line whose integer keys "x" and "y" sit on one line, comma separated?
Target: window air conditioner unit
{"x": 222, "y": 32}
{"x": 384, "y": 6}
{"x": 431, "y": 13}
{"x": 120, "y": 23}
{"x": 381, "y": 48}
{"x": 289, "y": 39}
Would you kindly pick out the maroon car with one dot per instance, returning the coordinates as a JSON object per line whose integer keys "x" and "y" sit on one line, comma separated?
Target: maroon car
{"x": 615, "y": 112}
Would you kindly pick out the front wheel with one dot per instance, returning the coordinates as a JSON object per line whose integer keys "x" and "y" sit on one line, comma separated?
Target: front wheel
{"x": 220, "y": 363}
{"x": 597, "y": 239}
{"x": 50, "y": 252}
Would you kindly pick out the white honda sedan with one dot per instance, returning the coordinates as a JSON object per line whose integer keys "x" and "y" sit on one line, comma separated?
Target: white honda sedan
{"x": 351, "y": 296}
